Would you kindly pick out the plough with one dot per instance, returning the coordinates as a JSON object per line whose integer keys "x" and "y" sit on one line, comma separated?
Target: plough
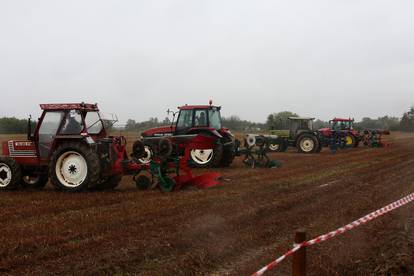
{"x": 255, "y": 151}
{"x": 373, "y": 138}
{"x": 169, "y": 170}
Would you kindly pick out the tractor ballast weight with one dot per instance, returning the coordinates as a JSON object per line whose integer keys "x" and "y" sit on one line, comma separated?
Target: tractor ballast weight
{"x": 255, "y": 151}
{"x": 70, "y": 146}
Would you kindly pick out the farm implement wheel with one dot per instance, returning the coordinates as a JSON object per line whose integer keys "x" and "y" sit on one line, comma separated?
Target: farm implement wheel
{"x": 277, "y": 147}
{"x": 10, "y": 174}
{"x": 35, "y": 181}
{"x": 147, "y": 155}
{"x": 74, "y": 167}
{"x": 307, "y": 144}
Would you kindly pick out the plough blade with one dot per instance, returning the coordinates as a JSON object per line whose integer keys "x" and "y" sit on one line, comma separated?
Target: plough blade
{"x": 203, "y": 181}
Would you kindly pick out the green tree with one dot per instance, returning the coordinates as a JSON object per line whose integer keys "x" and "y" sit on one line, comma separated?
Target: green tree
{"x": 279, "y": 120}
{"x": 407, "y": 121}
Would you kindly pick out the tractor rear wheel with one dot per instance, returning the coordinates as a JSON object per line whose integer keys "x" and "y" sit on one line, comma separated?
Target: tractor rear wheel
{"x": 307, "y": 143}
{"x": 10, "y": 174}
{"x": 350, "y": 141}
{"x": 35, "y": 181}
{"x": 74, "y": 167}
{"x": 206, "y": 158}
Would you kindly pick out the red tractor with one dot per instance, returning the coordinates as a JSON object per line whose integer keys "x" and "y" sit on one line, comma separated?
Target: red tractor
{"x": 196, "y": 119}
{"x": 345, "y": 127}
{"x": 70, "y": 145}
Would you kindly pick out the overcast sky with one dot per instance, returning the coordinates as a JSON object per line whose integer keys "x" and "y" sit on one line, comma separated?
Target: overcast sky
{"x": 139, "y": 58}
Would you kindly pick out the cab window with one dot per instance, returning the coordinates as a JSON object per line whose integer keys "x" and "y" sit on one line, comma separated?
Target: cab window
{"x": 200, "y": 118}
{"x": 185, "y": 120}
{"x": 73, "y": 123}
{"x": 93, "y": 123}
{"x": 214, "y": 118}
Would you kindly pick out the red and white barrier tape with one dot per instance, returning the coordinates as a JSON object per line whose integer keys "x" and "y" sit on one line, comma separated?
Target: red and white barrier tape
{"x": 330, "y": 235}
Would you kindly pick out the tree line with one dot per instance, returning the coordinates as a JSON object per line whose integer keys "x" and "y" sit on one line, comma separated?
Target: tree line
{"x": 12, "y": 125}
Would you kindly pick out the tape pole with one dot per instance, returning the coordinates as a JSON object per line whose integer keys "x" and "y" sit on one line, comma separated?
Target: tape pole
{"x": 378, "y": 213}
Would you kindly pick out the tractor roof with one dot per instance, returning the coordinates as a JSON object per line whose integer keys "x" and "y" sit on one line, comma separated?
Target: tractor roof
{"x": 342, "y": 120}
{"x": 70, "y": 106}
{"x": 302, "y": 118}
{"x": 190, "y": 107}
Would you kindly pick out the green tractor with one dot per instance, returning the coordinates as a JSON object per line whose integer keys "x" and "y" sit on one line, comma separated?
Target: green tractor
{"x": 296, "y": 132}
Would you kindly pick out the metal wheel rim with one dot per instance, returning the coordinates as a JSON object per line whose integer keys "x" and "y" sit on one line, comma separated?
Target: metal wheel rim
{"x": 349, "y": 140}
{"x": 71, "y": 169}
{"x": 148, "y": 156}
{"x": 307, "y": 145}
{"x": 201, "y": 156}
{"x": 274, "y": 147}
{"x": 6, "y": 175}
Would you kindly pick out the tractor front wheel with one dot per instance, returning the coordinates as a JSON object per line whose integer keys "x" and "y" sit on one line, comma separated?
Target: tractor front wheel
{"x": 74, "y": 167}
{"x": 109, "y": 183}
{"x": 10, "y": 174}
{"x": 229, "y": 153}
{"x": 35, "y": 181}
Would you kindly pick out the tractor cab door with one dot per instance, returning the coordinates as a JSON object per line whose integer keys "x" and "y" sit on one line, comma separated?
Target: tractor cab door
{"x": 294, "y": 127}
{"x": 184, "y": 122}
{"x": 47, "y": 132}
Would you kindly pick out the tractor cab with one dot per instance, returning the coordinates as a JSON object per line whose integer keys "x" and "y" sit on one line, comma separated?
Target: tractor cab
{"x": 342, "y": 124}
{"x": 58, "y": 123}
{"x": 300, "y": 124}
{"x": 198, "y": 117}
{"x": 61, "y": 122}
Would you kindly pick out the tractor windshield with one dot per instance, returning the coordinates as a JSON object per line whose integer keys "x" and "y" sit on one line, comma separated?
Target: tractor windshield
{"x": 214, "y": 118}
{"x": 342, "y": 125}
{"x": 93, "y": 123}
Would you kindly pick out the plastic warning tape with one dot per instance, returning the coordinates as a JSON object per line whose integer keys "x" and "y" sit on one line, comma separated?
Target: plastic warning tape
{"x": 380, "y": 212}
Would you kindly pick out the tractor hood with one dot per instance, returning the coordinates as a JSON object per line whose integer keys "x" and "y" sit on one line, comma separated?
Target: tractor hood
{"x": 159, "y": 131}
{"x": 325, "y": 130}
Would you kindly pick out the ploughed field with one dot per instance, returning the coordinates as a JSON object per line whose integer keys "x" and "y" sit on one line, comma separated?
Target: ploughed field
{"x": 232, "y": 229}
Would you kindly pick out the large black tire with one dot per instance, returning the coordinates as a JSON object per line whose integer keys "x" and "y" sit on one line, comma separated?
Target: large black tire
{"x": 79, "y": 167}
{"x": 34, "y": 181}
{"x": 213, "y": 161}
{"x": 108, "y": 183}
{"x": 307, "y": 143}
{"x": 10, "y": 174}
{"x": 228, "y": 156}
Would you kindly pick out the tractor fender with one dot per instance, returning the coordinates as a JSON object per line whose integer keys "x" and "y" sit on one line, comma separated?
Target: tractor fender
{"x": 206, "y": 131}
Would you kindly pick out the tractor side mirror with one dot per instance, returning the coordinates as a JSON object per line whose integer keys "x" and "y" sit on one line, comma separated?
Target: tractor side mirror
{"x": 29, "y": 129}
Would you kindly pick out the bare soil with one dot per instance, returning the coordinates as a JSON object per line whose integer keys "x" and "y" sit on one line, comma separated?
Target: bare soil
{"x": 232, "y": 229}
